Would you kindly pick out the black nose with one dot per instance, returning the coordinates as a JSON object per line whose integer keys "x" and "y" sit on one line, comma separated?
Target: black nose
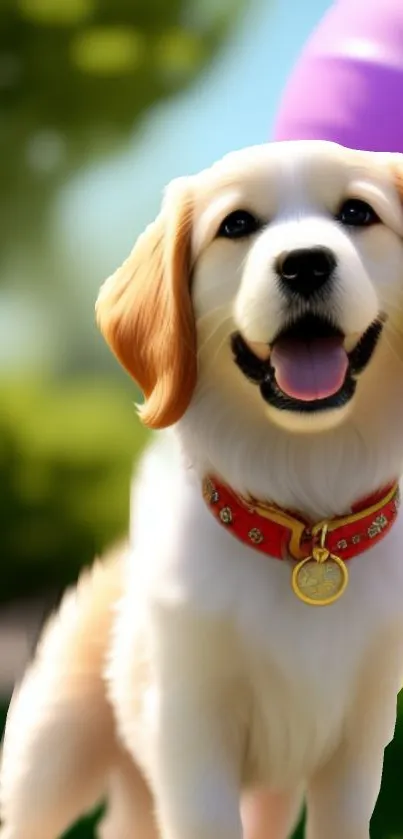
{"x": 306, "y": 270}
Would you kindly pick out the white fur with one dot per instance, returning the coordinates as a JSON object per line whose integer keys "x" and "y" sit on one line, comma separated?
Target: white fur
{"x": 222, "y": 683}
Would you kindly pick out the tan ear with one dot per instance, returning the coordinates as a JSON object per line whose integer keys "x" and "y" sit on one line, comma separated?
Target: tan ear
{"x": 145, "y": 312}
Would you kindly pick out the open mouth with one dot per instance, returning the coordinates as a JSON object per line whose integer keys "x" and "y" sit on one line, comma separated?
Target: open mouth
{"x": 308, "y": 367}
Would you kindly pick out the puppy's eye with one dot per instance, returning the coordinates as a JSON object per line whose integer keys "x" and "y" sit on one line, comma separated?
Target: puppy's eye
{"x": 357, "y": 213}
{"x": 238, "y": 225}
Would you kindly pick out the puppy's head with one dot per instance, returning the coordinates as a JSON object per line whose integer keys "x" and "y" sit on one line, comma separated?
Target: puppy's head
{"x": 276, "y": 275}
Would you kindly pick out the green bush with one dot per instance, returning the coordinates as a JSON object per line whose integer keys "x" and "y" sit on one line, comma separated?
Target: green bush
{"x": 66, "y": 456}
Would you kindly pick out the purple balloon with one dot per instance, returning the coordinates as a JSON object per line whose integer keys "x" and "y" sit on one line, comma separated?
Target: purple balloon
{"x": 348, "y": 83}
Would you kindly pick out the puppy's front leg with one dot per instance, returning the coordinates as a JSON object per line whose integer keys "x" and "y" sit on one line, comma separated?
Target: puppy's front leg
{"x": 194, "y": 780}
{"x": 342, "y": 795}
{"x": 171, "y": 683}
{"x": 196, "y": 731}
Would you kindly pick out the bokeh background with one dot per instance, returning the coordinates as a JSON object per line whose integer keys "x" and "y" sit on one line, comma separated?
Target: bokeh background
{"x": 102, "y": 103}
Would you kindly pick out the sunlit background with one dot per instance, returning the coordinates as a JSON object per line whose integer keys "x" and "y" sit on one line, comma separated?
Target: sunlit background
{"x": 103, "y": 102}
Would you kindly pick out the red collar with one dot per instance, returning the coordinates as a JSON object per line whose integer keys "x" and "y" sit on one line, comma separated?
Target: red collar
{"x": 284, "y": 535}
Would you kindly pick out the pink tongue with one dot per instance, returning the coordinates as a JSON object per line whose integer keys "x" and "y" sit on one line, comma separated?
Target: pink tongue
{"x": 309, "y": 370}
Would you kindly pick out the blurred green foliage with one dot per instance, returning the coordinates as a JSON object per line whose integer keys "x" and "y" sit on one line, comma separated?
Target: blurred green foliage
{"x": 77, "y": 75}
{"x": 66, "y": 457}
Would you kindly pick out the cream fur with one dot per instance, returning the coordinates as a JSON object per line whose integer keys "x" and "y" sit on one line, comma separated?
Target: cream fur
{"x": 189, "y": 661}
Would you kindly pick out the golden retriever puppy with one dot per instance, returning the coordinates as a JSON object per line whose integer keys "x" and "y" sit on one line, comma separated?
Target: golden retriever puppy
{"x": 246, "y": 649}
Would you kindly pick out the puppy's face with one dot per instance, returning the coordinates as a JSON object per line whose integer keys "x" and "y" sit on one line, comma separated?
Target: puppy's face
{"x": 273, "y": 279}
{"x": 298, "y": 249}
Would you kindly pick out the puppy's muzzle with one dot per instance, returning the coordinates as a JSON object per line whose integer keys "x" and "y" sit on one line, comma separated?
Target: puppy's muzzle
{"x": 306, "y": 271}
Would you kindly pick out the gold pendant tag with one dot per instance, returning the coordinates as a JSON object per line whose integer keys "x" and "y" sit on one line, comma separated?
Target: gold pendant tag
{"x": 320, "y": 579}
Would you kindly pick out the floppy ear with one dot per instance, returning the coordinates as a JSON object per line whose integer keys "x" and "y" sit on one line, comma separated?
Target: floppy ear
{"x": 145, "y": 312}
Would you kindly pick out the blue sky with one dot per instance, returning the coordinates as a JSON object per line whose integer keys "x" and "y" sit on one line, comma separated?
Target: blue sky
{"x": 233, "y": 105}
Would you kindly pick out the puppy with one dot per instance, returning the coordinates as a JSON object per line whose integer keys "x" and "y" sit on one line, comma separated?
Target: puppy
{"x": 246, "y": 650}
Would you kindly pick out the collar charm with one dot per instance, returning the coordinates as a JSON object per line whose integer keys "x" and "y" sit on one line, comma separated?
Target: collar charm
{"x": 320, "y": 576}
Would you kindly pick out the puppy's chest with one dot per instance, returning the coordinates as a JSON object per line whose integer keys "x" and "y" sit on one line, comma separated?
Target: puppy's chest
{"x": 300, "y": 687}
{"x": 298, "y": 666}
